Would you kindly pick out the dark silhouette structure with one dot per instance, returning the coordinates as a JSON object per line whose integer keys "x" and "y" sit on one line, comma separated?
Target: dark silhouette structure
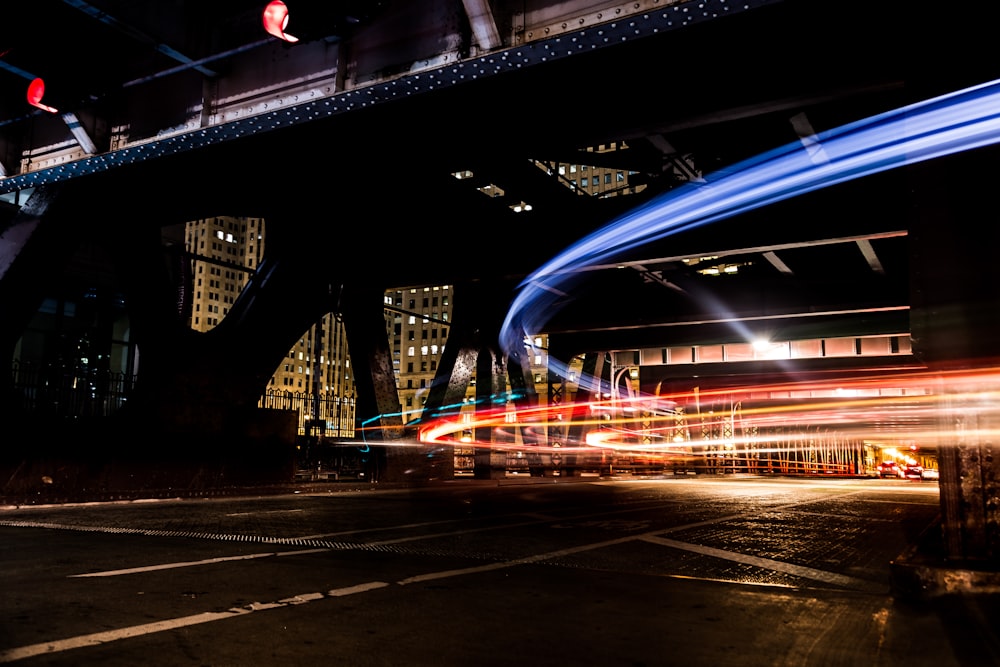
{"x": 347, "y": 145}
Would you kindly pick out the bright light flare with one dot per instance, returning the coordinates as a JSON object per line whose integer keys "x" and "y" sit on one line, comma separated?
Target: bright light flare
{"x": 775, "y": 424}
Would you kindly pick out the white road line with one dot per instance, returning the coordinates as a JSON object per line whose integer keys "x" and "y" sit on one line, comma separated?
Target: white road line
{"x": 517, "y": 561}
{"x": 11, "y": 655}
{"x": 98, "y": 638}
{"x": 767, "y": 563}
{"x": 192, "y": 563}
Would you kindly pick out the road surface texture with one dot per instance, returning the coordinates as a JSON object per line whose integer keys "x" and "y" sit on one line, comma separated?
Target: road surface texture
{"x": 692, "y": 571}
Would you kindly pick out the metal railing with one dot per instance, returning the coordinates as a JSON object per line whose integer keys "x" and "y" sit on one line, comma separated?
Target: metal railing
{"x": 326, "y": 415}
{"x": 62, "y": 391}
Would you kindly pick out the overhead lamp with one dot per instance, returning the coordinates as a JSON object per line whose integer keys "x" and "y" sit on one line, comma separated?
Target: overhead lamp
{"x": 36, "y": 91}
{"x": 275, "y": 20}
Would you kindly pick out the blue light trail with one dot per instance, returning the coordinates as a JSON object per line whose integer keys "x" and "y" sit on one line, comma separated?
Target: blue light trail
{"x": 941, "y": 126}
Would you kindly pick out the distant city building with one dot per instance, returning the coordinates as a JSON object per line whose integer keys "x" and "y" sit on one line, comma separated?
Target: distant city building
{"x": 595, "y": 180}
{"x": 590, "y": 180}
{"x": 418, "y": 320}
{"x": 315, "y": 378}
{"x": 226, "y": 251}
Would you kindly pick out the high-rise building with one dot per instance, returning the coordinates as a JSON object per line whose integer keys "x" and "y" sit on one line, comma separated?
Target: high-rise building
{"x": 418, "y": 320}
{"x": 226, "y": 251}
{"x": 315, "y": 378}
{"x": 596, "y": 180}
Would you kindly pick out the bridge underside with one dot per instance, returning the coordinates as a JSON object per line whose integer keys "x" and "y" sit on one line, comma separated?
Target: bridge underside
{"x": 366, "y": 199}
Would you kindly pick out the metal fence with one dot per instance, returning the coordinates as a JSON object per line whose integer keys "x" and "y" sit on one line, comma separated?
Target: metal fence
{"x": 61, "y": 391}
{"x": 326, "y": 415}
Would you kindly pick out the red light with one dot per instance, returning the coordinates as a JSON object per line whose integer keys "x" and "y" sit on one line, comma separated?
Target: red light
{"x": 36, "y": 89}
{"x": 276, "y": 20}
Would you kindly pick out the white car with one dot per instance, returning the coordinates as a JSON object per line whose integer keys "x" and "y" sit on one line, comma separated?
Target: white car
{"x": 929, "y": 473}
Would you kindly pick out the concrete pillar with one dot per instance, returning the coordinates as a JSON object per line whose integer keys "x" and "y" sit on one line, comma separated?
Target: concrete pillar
{"x": 955, "y": 319}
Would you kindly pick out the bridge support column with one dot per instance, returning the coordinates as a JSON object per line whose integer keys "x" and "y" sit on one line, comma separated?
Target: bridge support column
{"x": 473, "y": 346}
{"x": 955, "y": 319}
{"x": 379, "y": 420}
{"x": 491, "y": 390}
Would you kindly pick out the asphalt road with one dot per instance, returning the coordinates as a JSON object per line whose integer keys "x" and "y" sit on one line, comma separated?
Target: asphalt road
{"x": 677, "y": 571}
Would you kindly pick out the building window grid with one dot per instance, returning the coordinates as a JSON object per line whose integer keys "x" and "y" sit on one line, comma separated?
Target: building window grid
{"x": 864, "y": 346}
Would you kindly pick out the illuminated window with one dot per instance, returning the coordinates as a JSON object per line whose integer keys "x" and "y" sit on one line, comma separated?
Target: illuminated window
{"x": 806, "y": 349}
{"x": 878, "y": 345}
{"x": 680, "y": 355}
{"x": 840, "y": 347}
{"x": 739, "y": 352}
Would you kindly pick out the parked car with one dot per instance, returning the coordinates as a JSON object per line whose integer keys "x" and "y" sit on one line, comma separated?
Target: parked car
{"x": 930, "y": 473}
{"x": 889, "y": 469}
{"x": 913, "y": 471}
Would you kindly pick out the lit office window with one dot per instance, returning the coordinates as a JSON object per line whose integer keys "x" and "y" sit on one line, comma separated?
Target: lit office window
{"x": 680, "y": 355}
{"x": 806, "y": 349}
{"x": 840, "y": 347}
